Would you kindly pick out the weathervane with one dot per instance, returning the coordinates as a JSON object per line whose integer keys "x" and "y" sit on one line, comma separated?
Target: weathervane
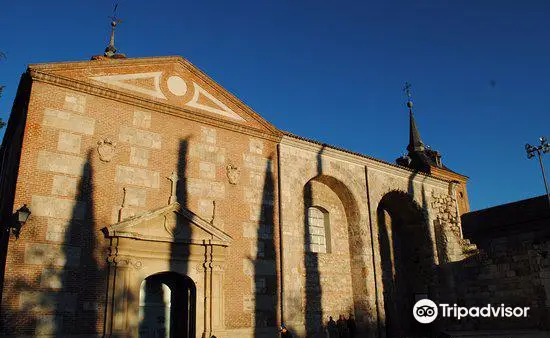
{"x": 110, "y": 51}
{"x": 408, "y": 92}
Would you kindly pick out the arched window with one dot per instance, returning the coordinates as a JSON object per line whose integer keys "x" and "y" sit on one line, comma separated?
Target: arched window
{"x": 318, "y": 228}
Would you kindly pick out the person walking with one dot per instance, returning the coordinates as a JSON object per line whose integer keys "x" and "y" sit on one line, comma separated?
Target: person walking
{"x": 342, "y": 327}
{"x": 332, "y": 328}
{"x": 284, "y": 332}
{"x": 352, "y": 327}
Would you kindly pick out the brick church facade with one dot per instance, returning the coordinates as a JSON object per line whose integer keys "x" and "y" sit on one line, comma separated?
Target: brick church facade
{"x": 163, "y": 206}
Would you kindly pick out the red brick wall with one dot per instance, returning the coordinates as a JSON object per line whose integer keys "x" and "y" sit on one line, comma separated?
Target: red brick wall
{"x": 83, "y": 278}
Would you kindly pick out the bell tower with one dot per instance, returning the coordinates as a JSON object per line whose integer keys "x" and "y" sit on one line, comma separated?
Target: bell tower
{"x": 422, "y": 158}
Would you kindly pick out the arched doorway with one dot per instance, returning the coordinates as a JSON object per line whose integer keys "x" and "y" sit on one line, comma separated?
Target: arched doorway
{"x": 167, "y": 303}
{"x": 407, "y": 262}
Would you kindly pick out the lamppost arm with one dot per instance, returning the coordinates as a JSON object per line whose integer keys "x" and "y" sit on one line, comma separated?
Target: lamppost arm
{"x": 543, "y": 175}
{"x": 540, "y": 150}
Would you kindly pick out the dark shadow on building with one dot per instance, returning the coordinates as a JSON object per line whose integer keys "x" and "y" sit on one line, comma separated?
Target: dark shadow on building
{"x": 313, "y": 289}
{"x": 81, "y": 277}
{"x": 407, "y": 260}
{"x": 181, "y": 188}
{"x": 168, "y": 302}
{"x": 183, "y": 312}
{"x": 70, "y": 296}
{"x": 10, "y": 154}
{"x": 265, "y": 272}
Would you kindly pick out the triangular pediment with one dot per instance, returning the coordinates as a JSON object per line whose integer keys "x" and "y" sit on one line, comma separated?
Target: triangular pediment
{"x": 171, "y": 81}
{"x": 172, "y": 223}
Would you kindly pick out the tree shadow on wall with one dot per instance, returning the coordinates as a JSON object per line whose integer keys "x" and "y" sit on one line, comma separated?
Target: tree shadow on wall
{"x": 168, "y": 302}
{"x": 67, "y": 295}
{"x": 266, "y": 286}
{"x": 313, "y": 290}
{"x": 183, "y": 312}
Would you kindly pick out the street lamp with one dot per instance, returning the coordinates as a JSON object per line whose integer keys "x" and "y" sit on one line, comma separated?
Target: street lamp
{"x": 20, "y": 218}
{"x": 542, "y": 149}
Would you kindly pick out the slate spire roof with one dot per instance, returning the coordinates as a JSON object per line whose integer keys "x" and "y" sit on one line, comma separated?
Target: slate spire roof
{"x": 419, "y": 157}
{"x": 415, "y": 142}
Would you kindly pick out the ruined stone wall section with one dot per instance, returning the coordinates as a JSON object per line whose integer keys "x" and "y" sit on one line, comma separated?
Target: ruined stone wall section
{"x": 452, "y": 247}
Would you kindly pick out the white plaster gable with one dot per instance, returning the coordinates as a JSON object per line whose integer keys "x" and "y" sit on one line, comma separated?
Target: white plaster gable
{"x": 124, "y": 81}
{"x": 201, "y": 98}
{"x": 172, "y": 223}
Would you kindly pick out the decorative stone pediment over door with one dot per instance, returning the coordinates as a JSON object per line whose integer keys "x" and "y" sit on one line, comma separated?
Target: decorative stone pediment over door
{"x": 171, "y": 239}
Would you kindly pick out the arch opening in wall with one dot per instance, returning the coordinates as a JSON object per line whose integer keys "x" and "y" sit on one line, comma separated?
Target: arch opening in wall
{"x": 407, "y": 258}
{"x": 334, "y": 208}
{"x": 167, "y": 306}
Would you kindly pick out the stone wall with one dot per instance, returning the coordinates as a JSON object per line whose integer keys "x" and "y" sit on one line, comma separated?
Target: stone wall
{"x": 298, "y": 167}
{"x": 513, "y": 265}
{"x": 307, "y": 169}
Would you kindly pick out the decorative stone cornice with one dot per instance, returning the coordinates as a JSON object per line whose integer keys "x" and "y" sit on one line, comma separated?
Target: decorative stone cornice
{"x": 362, "y": 160}
{"x": 130, "y": 228}
{"x": 153, "y": 105}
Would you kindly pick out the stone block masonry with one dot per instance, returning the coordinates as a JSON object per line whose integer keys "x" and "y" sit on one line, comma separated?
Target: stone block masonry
{"x": 68, "y": 121}
{"x": 140, "y": 138}
{"x": 69, "y": 143}
{"x": 48, "y": 206}
{"x": 137, "y": 176}
{"x": 60, "y": 163}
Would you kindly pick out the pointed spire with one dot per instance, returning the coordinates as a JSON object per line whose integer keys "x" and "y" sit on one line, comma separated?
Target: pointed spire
{"x": 415, "y": 142}
{"x": 111, "y": 49}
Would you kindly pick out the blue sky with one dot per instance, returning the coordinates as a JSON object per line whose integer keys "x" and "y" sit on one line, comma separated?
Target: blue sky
{"x": 334, "y": 70}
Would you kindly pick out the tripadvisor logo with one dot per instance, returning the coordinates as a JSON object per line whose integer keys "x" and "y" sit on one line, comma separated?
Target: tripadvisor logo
{"x": 425, "y": 311}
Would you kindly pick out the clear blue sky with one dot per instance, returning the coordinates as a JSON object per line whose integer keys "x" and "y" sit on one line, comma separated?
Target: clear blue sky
{"x": 334, "y": 70}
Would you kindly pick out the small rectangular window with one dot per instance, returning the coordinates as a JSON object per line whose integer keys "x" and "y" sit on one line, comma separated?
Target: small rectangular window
{"x": 317, "y": 231}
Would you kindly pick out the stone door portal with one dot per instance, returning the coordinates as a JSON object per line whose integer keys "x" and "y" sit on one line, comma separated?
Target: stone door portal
{"x": 166, "y": 270}
{"x": 167, "y": 304}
